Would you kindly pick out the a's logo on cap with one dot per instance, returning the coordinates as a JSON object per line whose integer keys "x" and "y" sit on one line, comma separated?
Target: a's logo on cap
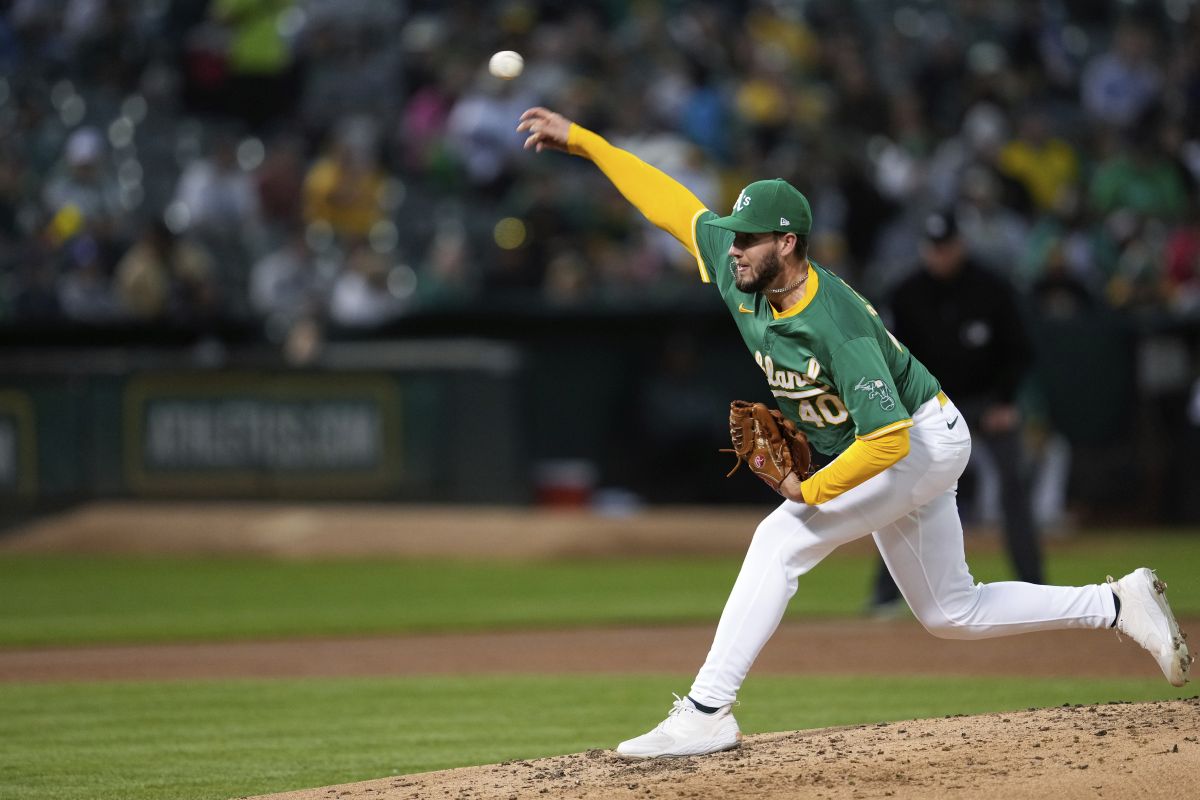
{"x": 742, "y": 201}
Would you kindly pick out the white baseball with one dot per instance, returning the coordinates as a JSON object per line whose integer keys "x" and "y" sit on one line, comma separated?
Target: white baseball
{"x": 507, "y": 64}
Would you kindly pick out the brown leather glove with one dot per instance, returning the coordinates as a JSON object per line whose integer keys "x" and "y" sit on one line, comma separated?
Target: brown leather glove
{"x": 768, "y": 441}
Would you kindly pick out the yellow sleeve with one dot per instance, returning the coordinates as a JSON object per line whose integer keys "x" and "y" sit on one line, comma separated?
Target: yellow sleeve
{"x": 665, "y": 201}
{"x": 861, "y": 461}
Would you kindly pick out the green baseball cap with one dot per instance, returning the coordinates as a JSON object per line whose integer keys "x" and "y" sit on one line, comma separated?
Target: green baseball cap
{"x": 768, "y": 206}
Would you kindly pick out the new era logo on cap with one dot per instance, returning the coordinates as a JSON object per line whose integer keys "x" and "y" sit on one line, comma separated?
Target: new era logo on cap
{"x": 783, "y": 221}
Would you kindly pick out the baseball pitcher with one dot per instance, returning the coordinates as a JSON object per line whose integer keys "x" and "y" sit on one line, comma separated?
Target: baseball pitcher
{"x": 856, "y": 393}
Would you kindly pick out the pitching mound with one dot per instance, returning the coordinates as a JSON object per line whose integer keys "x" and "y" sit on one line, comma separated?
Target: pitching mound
{"x": 1120, "y": 750}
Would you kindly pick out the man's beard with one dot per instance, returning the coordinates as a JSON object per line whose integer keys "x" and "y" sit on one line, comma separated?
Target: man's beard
{"x": 768, "y": 271}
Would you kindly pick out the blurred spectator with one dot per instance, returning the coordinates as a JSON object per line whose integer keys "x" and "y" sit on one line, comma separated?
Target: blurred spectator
{"x": 975, "y": 148}
{"x": 1121, "y": 84}
{"x": 941, "y": 80}
{"x": 861, "y": 105}
{"x": 82, "y": 181}
{"x": 763, "y": 103}
{"x": 849, "y": 215}
{"x": 15, "y": 191}
{"x": 899, "y": 166}
{"x": 165, "y": 275}
{"x": 36, "y": 296}
{"x": 280, "y": 183}
{"x": 303, "y": 342}
{"x": 481, "y": 130}
{"x": 352, "y": 52}
{"x": 369, "y": 292}
{"x": 423, "y": 122}
{"x": 705, "y": 117}
{"x": 1045, "y": 165}
{"x": 85, "y": 292}
{"x": 345, "y": 187}
{"x": 1062, "y": 244}
{"x": 1183, "y": 264}
{"x": 1139, "y": 179}
{"x": 447, "y": 278}
{"x": 257, "y": 57}
{"x": 1136, "y": 275}
{"x": 220, "y": 197}
{"x": 567, "y": 279}
{"x": 1057, "y": 294}
{"x": 995, "y": 234}
{"x": 285, "y": 284}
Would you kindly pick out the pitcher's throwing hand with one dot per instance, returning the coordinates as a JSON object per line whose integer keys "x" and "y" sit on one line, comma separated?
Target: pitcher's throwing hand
{"x": 547, "y": 129}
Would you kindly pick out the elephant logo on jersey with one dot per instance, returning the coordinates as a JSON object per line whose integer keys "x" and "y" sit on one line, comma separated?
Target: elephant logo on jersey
{"x": 876, "y": 388}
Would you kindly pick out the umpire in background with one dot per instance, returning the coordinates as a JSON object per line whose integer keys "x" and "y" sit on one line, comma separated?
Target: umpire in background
{"x": 962, "y": 322}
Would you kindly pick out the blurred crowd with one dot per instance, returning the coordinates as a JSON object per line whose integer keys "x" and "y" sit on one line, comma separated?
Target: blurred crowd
{"x": 344, "y": 162}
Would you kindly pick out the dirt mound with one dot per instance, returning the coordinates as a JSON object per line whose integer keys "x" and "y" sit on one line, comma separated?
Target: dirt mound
{"x": 1119, "y": 750}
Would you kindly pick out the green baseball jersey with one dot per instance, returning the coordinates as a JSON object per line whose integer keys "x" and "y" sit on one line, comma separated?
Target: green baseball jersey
{"x": 832, "y": 366}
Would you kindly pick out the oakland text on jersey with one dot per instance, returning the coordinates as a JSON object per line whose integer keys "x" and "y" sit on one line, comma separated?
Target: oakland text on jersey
{"x": 817, "y": 404}
{"x": 790, "y": 379}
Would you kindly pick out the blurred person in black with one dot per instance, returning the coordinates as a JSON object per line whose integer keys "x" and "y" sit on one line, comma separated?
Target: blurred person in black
{"x": 962, "y": 321}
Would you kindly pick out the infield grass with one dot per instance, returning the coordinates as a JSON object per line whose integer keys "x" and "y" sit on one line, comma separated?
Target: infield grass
{"x": 80, "y": 599}
{"x": 215, "y": 740}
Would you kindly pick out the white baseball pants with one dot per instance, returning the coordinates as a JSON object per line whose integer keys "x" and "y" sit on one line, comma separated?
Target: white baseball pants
{"x": 910, "y": 508}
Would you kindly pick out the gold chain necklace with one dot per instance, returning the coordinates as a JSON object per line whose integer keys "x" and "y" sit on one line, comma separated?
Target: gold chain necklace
{"x": 787, "y": 289}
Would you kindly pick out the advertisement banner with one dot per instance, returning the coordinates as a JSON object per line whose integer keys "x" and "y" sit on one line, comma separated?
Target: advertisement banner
{"x": 243, "y": 433}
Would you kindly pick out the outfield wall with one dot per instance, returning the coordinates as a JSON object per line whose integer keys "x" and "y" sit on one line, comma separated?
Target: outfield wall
{"x": 421, "y": 420}
{"x": 501, "y": 403}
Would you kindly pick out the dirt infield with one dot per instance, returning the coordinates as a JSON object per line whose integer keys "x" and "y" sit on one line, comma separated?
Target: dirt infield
{"x": 1146, "y": 750}
{"x": 363, "y": 530}
{"x": 854, "y": 647}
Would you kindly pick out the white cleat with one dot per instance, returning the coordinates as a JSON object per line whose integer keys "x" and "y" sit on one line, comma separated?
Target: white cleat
{"x": 1146, "y": 618}
{"x": 686, "y": 731}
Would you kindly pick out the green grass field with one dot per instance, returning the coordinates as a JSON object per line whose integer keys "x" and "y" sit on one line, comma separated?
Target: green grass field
{"x": 221, "y": 739}
{"x": 201, "y": 740}
{"x": 48, "y": 600}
